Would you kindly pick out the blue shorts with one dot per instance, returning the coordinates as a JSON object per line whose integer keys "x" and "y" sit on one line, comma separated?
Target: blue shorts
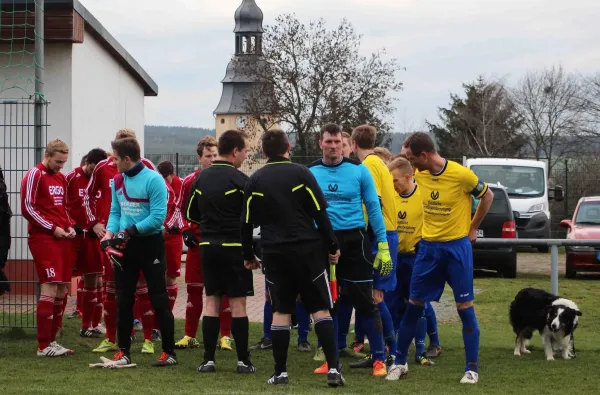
{"x": 387, "y": 283}
{"x": 439, "y": 262}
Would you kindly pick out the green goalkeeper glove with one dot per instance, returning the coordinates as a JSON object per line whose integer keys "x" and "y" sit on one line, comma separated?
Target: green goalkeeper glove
{"x": 383, "y": 260}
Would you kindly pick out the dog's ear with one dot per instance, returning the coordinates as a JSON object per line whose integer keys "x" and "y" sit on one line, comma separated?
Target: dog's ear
{"x": 578, "y": 313}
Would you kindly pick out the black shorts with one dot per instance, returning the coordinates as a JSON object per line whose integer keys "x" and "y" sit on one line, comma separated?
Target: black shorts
{"x": 224, "y": 272}
{"x": 298, "y": 270}
{"x": 354, "y": 270}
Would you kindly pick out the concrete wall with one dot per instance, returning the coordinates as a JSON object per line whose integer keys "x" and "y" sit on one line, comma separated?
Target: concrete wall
{"x": 106, "y": 98}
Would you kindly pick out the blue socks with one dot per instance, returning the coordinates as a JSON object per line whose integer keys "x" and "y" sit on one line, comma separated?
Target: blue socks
{"x": 373, "y": 326}
{"x": 389, "y": 334}
{"x": 303, "y": 322}
{"x": 431, "y": 325}
{"x": 344, "y": 315}
{"x": 267, "y": 320}
{"x": 470, "y": 337}
{"x": 407, "y": 330}
{"x": 420, "y": 336}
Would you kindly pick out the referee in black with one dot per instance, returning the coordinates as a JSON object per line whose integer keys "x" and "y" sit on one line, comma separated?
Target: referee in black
{"x": 286, "y": 201}
{"x": 215, "y": 204}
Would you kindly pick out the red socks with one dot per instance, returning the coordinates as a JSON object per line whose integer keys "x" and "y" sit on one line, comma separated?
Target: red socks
{"x": 57, "y": 314}
{"x": 110, "y": 313}
{"x": 80, "y": 304}
{"x": 172, "y": 291}
{"x": 225, "y": 317}
{"x": 146, "y": 312}
{"x": 193, "y": 310}
{"x": 44, "y": 318}
{"x": 64, "y": 302}
{"x": 97, "y": 313}
{"x": 89, "y": 301}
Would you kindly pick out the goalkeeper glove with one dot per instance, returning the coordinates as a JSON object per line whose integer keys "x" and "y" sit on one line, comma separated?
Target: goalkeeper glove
{"x": 111, "y": 249}
{"x": 189, "y": 239}
{"x": 383, "y": 260}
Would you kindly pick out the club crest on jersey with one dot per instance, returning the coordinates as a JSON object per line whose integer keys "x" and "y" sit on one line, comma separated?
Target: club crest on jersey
{"x": 402, "y": 214}
{"x": 332, "y": 187}
{"x": 435, "y": 195}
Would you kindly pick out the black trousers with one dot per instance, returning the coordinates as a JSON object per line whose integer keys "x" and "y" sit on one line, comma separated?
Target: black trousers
{"x": 145, "y": 254}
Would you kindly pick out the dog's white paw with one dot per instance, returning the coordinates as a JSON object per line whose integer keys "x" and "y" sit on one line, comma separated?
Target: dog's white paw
{"x": 525, "y": 351}
{"x": 517, "y": 353}
{"x": 550, "y": 358}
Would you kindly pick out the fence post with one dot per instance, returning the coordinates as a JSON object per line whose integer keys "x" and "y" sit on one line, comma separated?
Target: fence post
{"x": 177, "y": 164}
{"x": 554, "y": 274}
{"x": 566, "y": 193}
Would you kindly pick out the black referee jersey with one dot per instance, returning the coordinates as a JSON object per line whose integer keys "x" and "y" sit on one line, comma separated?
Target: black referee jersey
{"x": 215, "y": 203}
{"x": 284, "y": 199}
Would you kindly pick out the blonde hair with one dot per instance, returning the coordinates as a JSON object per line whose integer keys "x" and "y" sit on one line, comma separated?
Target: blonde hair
{"x": 401, "y": 164}
{"x": 364, "y": 136}
{"x": 125, "y": 134}
{"x": 57, "y": 146}
{"x": 206, "y": 142}
{"x": 383, "y": 153}
{"x": 346, "y": 135}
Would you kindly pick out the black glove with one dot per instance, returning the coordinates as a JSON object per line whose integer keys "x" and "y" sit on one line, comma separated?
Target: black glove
{"x": 78, "y": 230}
{"x": 111, "y": 249}
{"x": 190, "y": 239}
{"x": 122, "y": 238}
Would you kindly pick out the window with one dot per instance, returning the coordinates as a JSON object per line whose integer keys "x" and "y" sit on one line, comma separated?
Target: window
{"x": 519, "y": 181}
{"x": 499, "y": 204}
{"x": 588, "y": 214}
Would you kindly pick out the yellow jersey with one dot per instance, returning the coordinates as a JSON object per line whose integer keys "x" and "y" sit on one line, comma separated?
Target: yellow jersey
{"x": 446, "y": 198}
{"x": 384, "y": 184}
{"x": 410, "y": 220}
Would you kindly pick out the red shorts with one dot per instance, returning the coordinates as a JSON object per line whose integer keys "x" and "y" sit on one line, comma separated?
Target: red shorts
{"x": 52, "y": 258}
{"x": 173, "y": 248}
{"x": 87, "y": 255}
{"x": 193, "y": 268}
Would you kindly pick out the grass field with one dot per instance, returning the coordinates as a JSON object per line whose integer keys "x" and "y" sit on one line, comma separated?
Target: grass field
{"x": 501, "y": 373}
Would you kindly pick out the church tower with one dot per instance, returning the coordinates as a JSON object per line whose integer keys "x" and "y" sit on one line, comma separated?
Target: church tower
{"x": 230, "y": 112}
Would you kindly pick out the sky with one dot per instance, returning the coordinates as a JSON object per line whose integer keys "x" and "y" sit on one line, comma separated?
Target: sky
{"x": 185, "y": 45}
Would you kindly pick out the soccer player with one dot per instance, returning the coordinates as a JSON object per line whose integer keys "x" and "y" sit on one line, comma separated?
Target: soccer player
{"x": 384, "y": 154}
{"x": 286, "y": 201}
{"x": 363, "y": 146}
{"x": 97, "y": 201}
{"x": 87, "y": 255}
{"x": 135, "y": 244}
{"x": 215, "y": 204}
{"x": 172, "y": 232}
{"x": 445, "y": 252}
{"x": 207, "y": 153}
{"x": 346, "y": 185}
{"x": 410, "y": 223}
{"x": 346, "y": 144}
{"x": 50, "y": 232}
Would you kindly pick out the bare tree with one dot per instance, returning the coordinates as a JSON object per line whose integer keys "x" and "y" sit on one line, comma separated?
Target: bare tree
{"x": 590, "y": 98}
{"x": 552, "y": 114}
{"x": 309, "y": 75}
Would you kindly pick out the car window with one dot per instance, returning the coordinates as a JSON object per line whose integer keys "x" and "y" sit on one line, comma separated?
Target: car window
{"x": 588, "y": 213}
{"x": 499, "y": 205}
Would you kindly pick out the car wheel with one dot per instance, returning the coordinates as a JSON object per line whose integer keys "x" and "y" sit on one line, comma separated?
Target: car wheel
{"x": 510, "y": 270}
{"x": 570, "y": 272}
{"x": 544, "y": 249}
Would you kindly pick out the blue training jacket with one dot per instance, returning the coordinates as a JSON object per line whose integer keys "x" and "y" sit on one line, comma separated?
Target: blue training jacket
{"x": 139, "y": 197}
{"x": 346, "y": 186}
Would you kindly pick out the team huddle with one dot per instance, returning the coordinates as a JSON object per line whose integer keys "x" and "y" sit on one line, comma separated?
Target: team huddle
{"x": 377, "y": 234}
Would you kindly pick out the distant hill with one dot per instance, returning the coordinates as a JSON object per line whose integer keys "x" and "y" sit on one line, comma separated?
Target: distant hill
{"x": 183, "y": 140}
{"x": 173, "y": 139}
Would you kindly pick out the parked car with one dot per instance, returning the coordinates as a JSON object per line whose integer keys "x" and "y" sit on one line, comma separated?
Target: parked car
{"x": 585, "y": 225}
{"x": 498, "y": 223}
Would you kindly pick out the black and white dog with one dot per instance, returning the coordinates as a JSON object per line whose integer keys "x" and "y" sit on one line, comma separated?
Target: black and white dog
{"x": 554, "y": 317}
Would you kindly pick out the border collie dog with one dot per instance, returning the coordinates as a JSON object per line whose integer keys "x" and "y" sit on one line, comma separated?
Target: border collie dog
{"x": 554, "y": 317}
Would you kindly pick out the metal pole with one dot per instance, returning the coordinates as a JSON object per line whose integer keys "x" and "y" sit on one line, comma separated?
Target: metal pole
{"x": 177, "y": 164}
{"x": 39, "y": 79}
{"x": 554, "y": 273}
{"x": 566, "y": 190}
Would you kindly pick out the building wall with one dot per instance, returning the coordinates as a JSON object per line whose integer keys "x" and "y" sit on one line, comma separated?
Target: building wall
{"x": 106, "y": 98}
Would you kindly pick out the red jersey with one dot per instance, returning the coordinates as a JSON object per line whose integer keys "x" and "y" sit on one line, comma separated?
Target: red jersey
{"x": 43, "y": 200}
{"x": 77, "y": 182}
{"x": 186, "y": 189}
{"x": 98, "y": 195}
{"x": 177, "y": 185}
{"x": 173, "y": 218}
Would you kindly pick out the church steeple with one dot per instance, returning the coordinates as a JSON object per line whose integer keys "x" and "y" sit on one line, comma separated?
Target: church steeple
{"x": 248, "y": 29}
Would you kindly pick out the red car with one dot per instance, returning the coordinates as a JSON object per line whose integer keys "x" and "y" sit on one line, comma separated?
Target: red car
{"x": 585, "y": 225}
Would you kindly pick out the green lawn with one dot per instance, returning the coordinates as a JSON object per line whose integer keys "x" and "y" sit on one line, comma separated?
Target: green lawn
{"x": 501, "y": 373}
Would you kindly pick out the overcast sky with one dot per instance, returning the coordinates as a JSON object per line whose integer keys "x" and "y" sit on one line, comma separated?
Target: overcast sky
{"x": 185, "y": 45}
